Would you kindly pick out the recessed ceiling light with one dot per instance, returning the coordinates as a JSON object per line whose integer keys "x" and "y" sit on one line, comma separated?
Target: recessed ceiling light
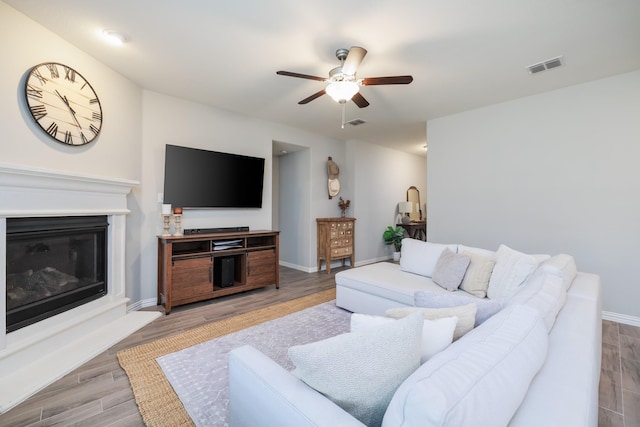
{"x": 114, "y": 37}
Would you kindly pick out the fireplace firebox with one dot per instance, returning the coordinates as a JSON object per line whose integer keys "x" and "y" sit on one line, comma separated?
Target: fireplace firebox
{"x": 53, "y": 264}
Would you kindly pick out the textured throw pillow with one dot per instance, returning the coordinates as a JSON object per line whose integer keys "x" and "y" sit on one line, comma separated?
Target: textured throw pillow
{"x": 466, "y": 315}
{"x": 476, "y": 278}
{"x": 511, "y": 270}
{"x": 420, "y": 257}
{"x": 360, "y": 371}
{"x": 437, "y": 334}
{"x": 428, "y": 299}
{"x": 479, "y": 381}
{"x": 450, "y": 269}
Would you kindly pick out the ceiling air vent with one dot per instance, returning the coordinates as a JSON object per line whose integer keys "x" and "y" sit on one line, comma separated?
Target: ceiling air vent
{"x": 545, "y": 65}
{"x": 356, "y": 122}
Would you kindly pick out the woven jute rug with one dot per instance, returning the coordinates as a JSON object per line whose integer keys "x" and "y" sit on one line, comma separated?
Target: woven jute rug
{"x": 158, "y": 403}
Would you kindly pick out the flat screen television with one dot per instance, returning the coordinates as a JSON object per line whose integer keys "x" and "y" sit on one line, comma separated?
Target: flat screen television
{"x": 195, "y": 178}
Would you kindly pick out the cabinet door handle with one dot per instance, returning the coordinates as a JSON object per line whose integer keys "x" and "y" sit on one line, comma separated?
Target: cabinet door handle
{"x": 211, "y": 274}
{"x": 248, "y": 268}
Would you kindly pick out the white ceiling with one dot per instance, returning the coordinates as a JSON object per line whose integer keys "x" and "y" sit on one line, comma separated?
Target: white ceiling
{"x": 462, "y": 54}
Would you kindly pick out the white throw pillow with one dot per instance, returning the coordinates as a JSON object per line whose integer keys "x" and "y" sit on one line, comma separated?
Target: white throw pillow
{"x": 466, "y": 315}
{"x": 437, "y": 334}
{"x": 511, "y": 270}
{"x": 420, "y": 257}
{"x": 429, "y": 299}
{"x": 450, "y": 269}
{"x": 476, "y": 279}
{"x": 478, "y": 381}
{"x": 360, "y": 371}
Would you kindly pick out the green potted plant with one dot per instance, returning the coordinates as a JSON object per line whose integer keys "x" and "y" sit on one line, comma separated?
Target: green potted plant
{"x": 394, "y": 236}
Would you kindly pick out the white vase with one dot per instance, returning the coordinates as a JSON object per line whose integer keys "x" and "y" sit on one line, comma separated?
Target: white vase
{"x": 396, "y": 256}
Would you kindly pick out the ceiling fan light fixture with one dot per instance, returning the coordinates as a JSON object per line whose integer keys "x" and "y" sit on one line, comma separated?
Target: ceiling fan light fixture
{"x": 342, "y": 91}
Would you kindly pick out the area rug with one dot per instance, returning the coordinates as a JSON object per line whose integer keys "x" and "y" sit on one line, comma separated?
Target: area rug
{"x": 158, "y": 403}
{"x": 200, "y": 376}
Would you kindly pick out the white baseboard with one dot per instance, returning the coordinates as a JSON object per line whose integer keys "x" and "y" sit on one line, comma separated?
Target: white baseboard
{"x": 298, "y": 267}
{"x": 621, "y": 318}
{"x": 334, "y": 264}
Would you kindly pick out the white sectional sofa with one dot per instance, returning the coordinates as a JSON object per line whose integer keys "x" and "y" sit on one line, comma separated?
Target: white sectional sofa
{"x": 536, "y": 362}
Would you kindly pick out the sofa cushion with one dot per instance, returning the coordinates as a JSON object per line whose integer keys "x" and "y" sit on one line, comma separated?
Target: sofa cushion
{"x": 450, "y": 269}
{"x": 437, "y": 334}
{"x": 486, "y": 307}
{"x": 562, "y": 265}
{"x": 480, "y": 380}
{"x": 420, "y": 257}
{"x": 360, "y": 371}
{"x": 476, "y": 278}
{"x": 466, "y": 315}
{"x": 544, "y": 292}
{"x": 511, "y": 270}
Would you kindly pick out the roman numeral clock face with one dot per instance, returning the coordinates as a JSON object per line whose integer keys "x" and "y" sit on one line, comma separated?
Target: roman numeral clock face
{"x": 63, "y": 103}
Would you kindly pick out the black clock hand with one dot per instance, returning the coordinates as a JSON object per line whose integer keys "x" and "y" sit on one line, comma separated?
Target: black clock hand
{"x": 73, "y": 113}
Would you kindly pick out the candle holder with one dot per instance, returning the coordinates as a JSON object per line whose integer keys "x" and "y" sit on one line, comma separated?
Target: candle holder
{"x": 177, "y": 218}
{"x": 166, "y": 219}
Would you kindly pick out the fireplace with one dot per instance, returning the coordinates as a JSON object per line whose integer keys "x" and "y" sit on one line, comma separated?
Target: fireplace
{"x": 53, "y": 265}
{"x": 89, "y": 263}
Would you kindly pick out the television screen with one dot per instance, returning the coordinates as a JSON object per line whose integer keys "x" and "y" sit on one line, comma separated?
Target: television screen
{"x": 195, "y": 178}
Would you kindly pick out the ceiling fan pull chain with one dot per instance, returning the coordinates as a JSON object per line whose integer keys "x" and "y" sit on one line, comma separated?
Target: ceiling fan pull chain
{"x": 344, "y": 106}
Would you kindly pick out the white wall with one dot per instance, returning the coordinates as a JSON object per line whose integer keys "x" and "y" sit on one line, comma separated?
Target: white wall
{"x": 295, "y": 209}
{"x": 555, "y": 172}
{"x": 380, "y": 179}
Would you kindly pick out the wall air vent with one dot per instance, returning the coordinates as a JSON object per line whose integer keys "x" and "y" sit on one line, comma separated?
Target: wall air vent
{"x": 356, "y": 122}
{"x": 545, "y": 65}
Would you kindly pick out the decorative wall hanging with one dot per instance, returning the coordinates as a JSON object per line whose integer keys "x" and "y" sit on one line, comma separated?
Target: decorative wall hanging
{"x": 334, "y": 184}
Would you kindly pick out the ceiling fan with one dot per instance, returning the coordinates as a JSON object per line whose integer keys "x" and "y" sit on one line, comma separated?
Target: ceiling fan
{"x": 343, "y": 83}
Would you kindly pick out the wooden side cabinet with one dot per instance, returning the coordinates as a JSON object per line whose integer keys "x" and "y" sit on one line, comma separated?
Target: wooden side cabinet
{"x": 335, "y": 241}
{"x": 197, "y": 267}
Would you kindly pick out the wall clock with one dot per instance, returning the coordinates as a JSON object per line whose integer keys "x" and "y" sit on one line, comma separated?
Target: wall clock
{"x": 63, "y": 103}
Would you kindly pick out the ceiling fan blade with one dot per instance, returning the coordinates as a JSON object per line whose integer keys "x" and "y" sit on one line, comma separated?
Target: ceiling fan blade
{"x": 312, "y": 97}
{"x": 302, "y": 76}
{"x": 394, "y": 80}
{"x": 359, "y": 100}
{"x": 354, "y": 58}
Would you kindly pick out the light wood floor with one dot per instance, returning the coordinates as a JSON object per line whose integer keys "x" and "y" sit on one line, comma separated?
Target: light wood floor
{"x": 98, "y": 393}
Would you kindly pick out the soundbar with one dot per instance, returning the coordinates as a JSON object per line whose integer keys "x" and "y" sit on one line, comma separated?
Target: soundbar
{"x": 215, "y": 230}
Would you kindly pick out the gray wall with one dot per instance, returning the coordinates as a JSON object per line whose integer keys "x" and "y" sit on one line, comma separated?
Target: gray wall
{"x": 555, "y": 172}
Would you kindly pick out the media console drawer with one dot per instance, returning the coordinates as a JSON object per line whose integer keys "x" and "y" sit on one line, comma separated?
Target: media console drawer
{"x": 189, "y": 266}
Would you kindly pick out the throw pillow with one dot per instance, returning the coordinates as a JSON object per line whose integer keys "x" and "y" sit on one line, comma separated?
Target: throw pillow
{"x": 428, "y": 299}
{"x": 420, "y": 257}
{"x": 450, "y": 269}
{"x": 466, "y": 315}
{"x": 479, "y": 381}
{"x": 476, "y": 279}
{"x": 511, "y": 270}
{"x": 437, "y": 334}
{"x": 360, "y": 371}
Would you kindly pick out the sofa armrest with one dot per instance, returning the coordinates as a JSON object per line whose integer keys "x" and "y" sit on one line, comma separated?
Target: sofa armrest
{"x": 263, "y": 393}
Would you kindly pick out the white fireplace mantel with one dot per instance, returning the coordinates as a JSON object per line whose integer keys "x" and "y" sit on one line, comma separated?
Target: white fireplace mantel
{"x": 36, "y": 355}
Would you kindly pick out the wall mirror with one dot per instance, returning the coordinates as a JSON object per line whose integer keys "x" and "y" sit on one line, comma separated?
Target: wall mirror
{"x": 413, "y": 196}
